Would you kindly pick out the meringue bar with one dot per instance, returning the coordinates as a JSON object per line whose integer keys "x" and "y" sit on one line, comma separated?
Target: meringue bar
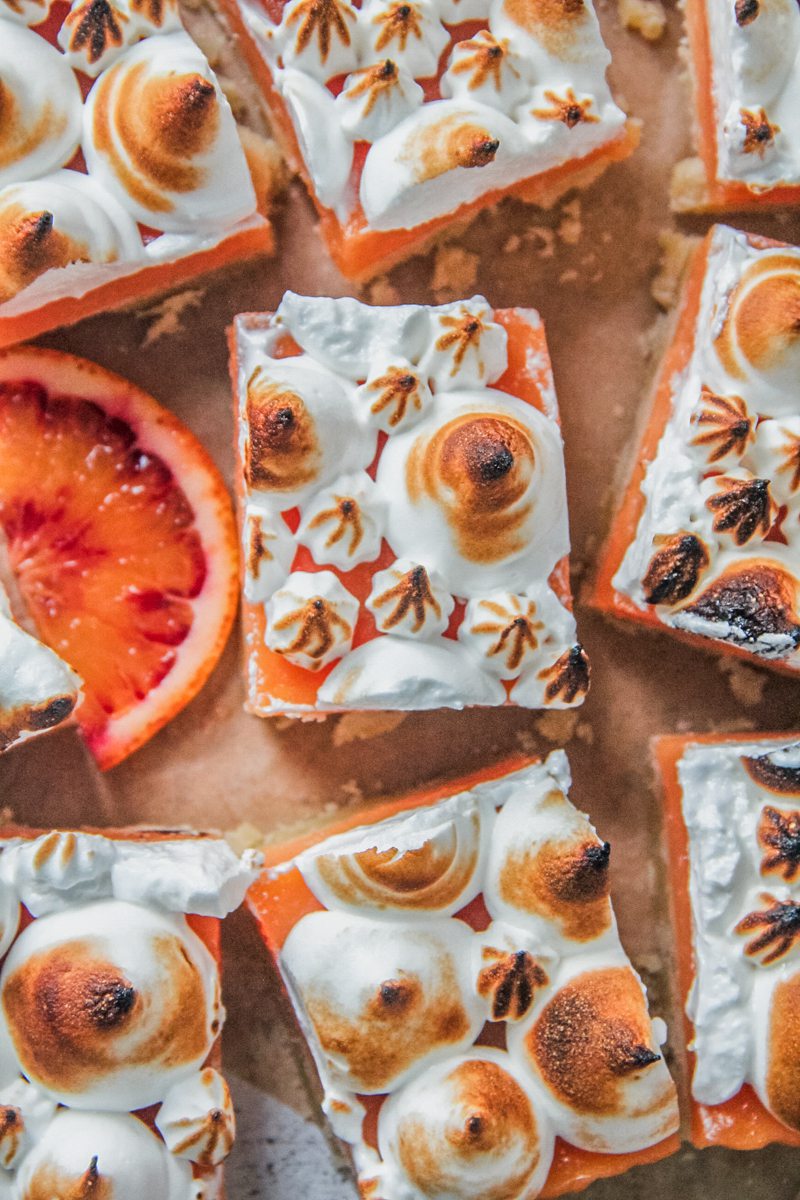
{"x": 454, "y": 963}
{"x": 111, "y": 1013}
{"x": 733, "y": 835}
{"x": 707, "y": 541}
{"x": 122, "y": 172}
{"x": 745, "y": 58}
{"x": 405, "y": 117}
{"x": 403, "y": 510}
{"x": 38, "y": 691}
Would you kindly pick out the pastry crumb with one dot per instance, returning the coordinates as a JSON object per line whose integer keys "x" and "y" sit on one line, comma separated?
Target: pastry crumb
{"x": 646, "y": 17}
{"x": 676, "y": 251}
{"x": 166, "y": 317}
{"x": 360, "y": 727}
{"x": 584, "y": 732}
{"x": 267, "y": 167}
{"x": 244, "y": 837}
{"x": 455, "y": 271}
{"x": 543, "y": 239}
{"x": 688, "y": 190}
{"x": 526, "y": 741}
{"x": 352, "y": 791}
{"x": 746, "y": 683}
{"x": 568, "y": 276}
{"x": 570, "y": 227}
{"x": 513, "y": 244}
{"x": 557, "y": 726}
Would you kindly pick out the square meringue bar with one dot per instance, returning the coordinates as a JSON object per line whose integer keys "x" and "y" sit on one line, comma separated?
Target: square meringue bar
{"x": 454, "y": 964}
{"x": 733, "y": 835}
{"x": 403, "y": 510}
{"x": 122, "y": 171}
{"x": 110, "y": 1013}
{"x": 707, "y": 540}
{"x": 403, "y": 116}
{"x": 38, "y": 691}
{"x": 745, "y": 59}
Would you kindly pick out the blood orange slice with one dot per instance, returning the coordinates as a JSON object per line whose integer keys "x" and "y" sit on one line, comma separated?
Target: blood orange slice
{"x": 121, "y": 536}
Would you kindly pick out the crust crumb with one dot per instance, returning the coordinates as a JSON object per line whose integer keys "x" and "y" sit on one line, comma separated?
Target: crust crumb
{"x": 543, "y": 239}
{"x": 381, "y": 291}
{"x": 688, "y": 190}
{"x": 513, "y": 244}
{"x": 570, "y": 227}
{"x": 360, "y": 727}
{"x": 746, "y": 684}
{"x": 267, "y": 167}
{"x": 558, "y": 725}
{"x": 455, "y": 271}
{"x": 676, "y": 250}
{"x": 166, "y": 317}
{"x": 646, "y": 17}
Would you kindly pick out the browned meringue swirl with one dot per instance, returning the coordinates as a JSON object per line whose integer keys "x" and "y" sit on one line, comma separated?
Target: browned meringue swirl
{"x": 29, "y": 246}
{"x": 19, "y": 134}
{"x": 783, "y": 1065}
{"x": 757, "y": 598}
{"x": 448, "y": 143}
{"x": 282, "y": 453}
{"x": 162, "y": 122}
{"x": 48, "y": 1181}
{"x": 763, "y": 318}
{"x": 591, "y": 1037}
{"x": 478, "y": 468}
{"x": 73, "y": 1016}
{"x": 554, "y": 23}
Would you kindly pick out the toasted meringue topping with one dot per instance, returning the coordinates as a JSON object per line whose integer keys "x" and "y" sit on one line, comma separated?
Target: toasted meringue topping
{"x": 566, "y": 680}
{"x": 268, "y": 549}
{"x": 94, "y": 33}
{"x": 343, "y": 523}
{"x": 405, "y": 600}
{"x": 311, "y": 619}
{"x": 741, "y": 506}
{"x": 427, "y": 863}
{"x": 27, "y": 12}
{"x": 132, "y": 1004}
{"x": 407, "y": 31}
{"x": 381, "y": 1008}
{"x": 509, "y": 981}
{"x": 160, "y": 136}
{"x": 319, "y": 36}
{"x": 772, "y": 931}
{"x": 777, "y": 1059}
{"x": 567, "y": 108}
{"x": 12, "y": 1135}
{"x": 101, "y": 1156}
{"x": 775, "y": 454}
{"x": 25, "y": 1114}
{"x": 507, "y": 629}
{"x": 396, "y": 396}
{"x": 486, "y": 69}
{"x": 553, "y": 33}
{"x": 724, "y": 427}
{"x": 9, "y": 915}
{"x": 37, "y": 690}
{"x": 196, "y": 1119}
{"x": 40, "y": 106}
{"x": 375, "y": 99}
{"x": 469, "y": 348}
{"x": 155, "y": 16}
{"x": 774, "y": 776}
{"x": 468, "y": 1127}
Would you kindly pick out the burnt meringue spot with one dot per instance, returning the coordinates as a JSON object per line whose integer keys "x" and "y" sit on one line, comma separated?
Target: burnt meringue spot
{"x": 30, "y": 245}
{"x": 757, "y": 599}
{"x": 398, "y": 388}
{"x": 770, "y": 775}
{"x": 449, "y": 143}
{"x": 33, "y": 718}
{"x": 763, "y": 319}
{"x": 509, "y": 982}
{"x": 675, "y": 569}
{"x": 163, "y": 122}
{"x": 258, "y": 550}
{"x": 779, "y": 839}
{"x": 569, "y": 677}
{"x": 399, "y": 23}
{"x": 484, "y": 61}
{"x": 746, "y": 11}
{"x": 49, "y": 1182}
{"x": 773, "y": 931}
{"x": 724, "y": 425}
{"x": 783, "y": 1062}
{"x": 567, "y": 108}
{"x": 478, "y": 468}
{"x": 592, "y": 1036}
{"x": 317, "y": 627}
{"x": 374, "y": 82}
{"x": 759, "y": 131}
{"x": 411, "y": 594}
{"x": 346, "y": 521}
{"x": 565, "y": 881}
{"x": 12, "y": 1131}
{"x": 155, "y": 12}
{"x": 323, "y": 20}
{"x": 743, "y": 508}
{"x": 72, "y": 1016}
{"x": 282, "y": 452}
{"x": 95, "y": 26}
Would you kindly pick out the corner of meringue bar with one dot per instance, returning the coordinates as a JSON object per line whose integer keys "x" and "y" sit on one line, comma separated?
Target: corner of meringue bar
{"x": 403, "y": 510}
{"x": 402, "y": 119}
{"x": 454, "y": 964}
{"x": 114, "y": 1086}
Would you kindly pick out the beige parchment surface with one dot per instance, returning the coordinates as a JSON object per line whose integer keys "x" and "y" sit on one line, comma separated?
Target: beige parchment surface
{"x": 587, "y": 267}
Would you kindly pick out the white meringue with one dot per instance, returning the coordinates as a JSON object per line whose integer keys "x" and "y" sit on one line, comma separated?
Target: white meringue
{"x": 343, "y": 523}
{"x": 9, "y": 915}
{"x": 311, "y": 619}
{"x": 375, "y": 99}
{"x": 399, "y": 673}
{"x": 380, "y": 1008}
{"x": 327, "y": 152}
{"x": 268, "y": 549}
{"x": 394, "y": 395}
{"x": 468, "y": 348}
{"x": 37, "y": 689}
{"x": 25, "y": 1113}
{"x": 557, "y": 40}
{"x": 319, "y": 37}
{"x": 409, "y": 601}
{"x": 508, "y": 632}
{"x": 134, "y": 1004}
{"x": 408, "y": 32}
{"x": 196, "y": 1119}
{"x": 160, "y": 136}
{"x": 41, "y": 106}
{"x": 487, "y": 70}
{"x": 95, "y": 1149}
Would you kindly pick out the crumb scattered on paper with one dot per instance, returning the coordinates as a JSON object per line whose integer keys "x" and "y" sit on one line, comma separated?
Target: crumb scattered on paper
{"x": 543, "y": 239}
{"x": 676, "y": 251}
{"x": 513, "y": 244}
{"x": 646, "y": 17}
{"x": 166, "y": 317}
{"x": 570, "y": 227}
{"x": 455, "y": 271}
{"x": 746, "y": 683}
{"x": 360, "y": 727}
{"x": 688, "y": 188}
{"x": 557, "y": 726}
{"x": 568, "y": 276}
{"x": 352, "y": 791}
{"x": 584, "y": 732}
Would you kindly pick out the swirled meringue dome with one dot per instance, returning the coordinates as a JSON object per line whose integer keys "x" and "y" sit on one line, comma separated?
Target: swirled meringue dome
{"x": 300, "y": 431}
{"x": 26, "y": 12}
{"x": 469, "y": 1128}
{"x": 424, "y": 863}
{"x": 555, "y": 36}
{"x": 196, "y": 1119}
{"x": 133, "y": 1004}
{"x": 764, "y": 50}
{"x": 378, "y": 1008}
{"x": 591, "y": 1047}
{"x": 60, "y": 219}
{"x": 160, "y": 136}
{"x": 548, "y": 870}
{"x": 759, "y": 340}
{"x": 475, "y": 492}
{"x": 40, "y": 106}
{"x": 113, "y": 1157}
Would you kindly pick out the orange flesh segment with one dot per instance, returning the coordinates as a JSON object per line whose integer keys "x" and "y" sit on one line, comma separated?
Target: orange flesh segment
{"x": 278, "y": 904}
{"x": 277, "y": 681}
{"x": 741, "y": 1123}
{"x": 361, "y": 253}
